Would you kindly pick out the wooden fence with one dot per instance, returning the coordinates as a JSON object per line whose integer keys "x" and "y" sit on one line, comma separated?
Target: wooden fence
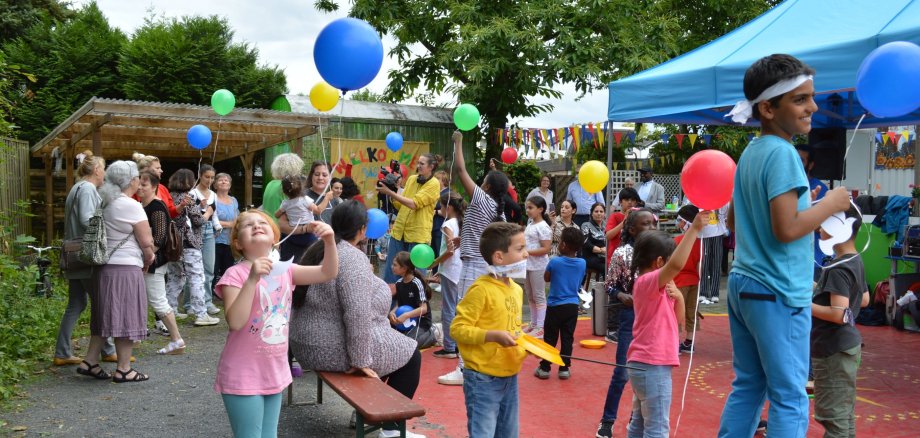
{"x": 14, "y": 184}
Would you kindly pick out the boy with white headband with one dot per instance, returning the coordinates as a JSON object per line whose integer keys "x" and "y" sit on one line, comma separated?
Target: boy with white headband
{"x": 770, "y": 285}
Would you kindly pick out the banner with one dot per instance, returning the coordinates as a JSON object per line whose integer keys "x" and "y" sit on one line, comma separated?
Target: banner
{"x": 361, "y": 160}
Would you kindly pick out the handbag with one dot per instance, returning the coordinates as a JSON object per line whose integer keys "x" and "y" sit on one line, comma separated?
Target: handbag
{"x": 93, "y": 251}
{"x": 423, "y": 333}
{"x": 71, "y": 248}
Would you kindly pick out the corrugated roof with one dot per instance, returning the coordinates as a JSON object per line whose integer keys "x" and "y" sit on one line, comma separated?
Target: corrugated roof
{"x": 355, "y": 109}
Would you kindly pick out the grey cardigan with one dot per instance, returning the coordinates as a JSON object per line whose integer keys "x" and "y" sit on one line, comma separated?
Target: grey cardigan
{"x": 343, "y": 323}
{"x": 79, "y": 206}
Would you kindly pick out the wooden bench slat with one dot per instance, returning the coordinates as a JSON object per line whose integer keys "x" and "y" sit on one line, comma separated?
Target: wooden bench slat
{"x": 375, "y": 400}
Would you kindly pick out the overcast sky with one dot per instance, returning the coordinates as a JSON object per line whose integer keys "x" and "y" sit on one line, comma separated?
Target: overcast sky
{"x": 284, "y": 31}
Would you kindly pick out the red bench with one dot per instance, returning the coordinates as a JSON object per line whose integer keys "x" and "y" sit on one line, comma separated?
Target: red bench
{"x": 374, "y": 401}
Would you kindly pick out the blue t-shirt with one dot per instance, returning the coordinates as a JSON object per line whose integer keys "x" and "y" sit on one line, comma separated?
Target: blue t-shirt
{"x": 566, "y": 274}
{"x": 226, "y": 213}
{"x": 769, "y": 167}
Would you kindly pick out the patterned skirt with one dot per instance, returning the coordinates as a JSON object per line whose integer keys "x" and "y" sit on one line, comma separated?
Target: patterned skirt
{"x": 119, "y": 303}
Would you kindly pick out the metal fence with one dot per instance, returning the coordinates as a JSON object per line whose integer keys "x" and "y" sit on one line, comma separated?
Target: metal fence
{"x": 14, "y": 184}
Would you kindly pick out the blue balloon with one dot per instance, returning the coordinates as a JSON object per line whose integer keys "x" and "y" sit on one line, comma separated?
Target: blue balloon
{"x": 348, "y": 53}
{"x": 886, "y": 82}
{"x": 394, "y": 141}
{"x": 377, "y": 223}
{"x": 199, "y": 136}
{"x": 411, "y": 322}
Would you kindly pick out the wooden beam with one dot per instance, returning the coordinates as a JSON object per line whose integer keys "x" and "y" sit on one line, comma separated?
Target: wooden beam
{"x": 97, "y": 143}
{"x": 247, "y": 177}
{"x": 68, "y": 158}
{"x": 49, "y": 200}
{"x": 203, "y": 113}
{"x": 90, "y": 129}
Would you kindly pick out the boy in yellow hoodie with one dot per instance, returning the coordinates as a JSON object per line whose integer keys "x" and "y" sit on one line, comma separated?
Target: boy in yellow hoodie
{"x": 487, "y": 322}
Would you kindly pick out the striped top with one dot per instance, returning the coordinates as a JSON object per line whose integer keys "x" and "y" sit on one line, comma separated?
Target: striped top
{"x": 478, "y": 216}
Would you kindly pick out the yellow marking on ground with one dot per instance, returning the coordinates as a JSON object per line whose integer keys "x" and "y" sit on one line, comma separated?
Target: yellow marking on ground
{"x": 865, "y": 400}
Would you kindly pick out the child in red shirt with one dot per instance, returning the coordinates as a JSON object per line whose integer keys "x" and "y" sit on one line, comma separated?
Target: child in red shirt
{"x": 688, "y": 279}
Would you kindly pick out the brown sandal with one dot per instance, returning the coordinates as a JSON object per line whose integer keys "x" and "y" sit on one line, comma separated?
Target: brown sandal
{"x": 100, "y": 374}
{"x": 122, "y": 376}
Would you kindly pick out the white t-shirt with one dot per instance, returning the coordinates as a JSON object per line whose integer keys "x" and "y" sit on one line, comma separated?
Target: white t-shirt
{"x": 451, "y": 267}
{"x": 211, "y": 199}
{"x": 298, "y": 210}
{"x": 120, "y": 217}
{"x": 533, "y": 234}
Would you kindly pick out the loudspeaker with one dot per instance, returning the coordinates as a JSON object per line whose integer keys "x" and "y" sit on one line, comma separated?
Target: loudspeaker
{"x": 828, "y": 149}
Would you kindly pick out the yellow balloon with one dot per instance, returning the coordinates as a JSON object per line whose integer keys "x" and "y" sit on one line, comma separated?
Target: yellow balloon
{"x": 593, "y": 176}
{"x": 323, "y": 96}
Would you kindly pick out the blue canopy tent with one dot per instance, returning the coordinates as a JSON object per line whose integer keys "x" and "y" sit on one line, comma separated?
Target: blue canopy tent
{"x": 701, "y": 86}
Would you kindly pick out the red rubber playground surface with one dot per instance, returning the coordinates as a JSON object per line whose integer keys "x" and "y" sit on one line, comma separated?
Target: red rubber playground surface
{"x": 888, "y": 394}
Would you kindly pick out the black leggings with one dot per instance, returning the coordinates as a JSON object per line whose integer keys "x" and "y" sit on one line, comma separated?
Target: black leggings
{"x": 560, "y": 322}
{"x": 405, "y": 380}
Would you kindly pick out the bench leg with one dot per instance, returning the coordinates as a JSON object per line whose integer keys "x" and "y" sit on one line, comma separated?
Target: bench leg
{"x": 402, "y": 428}
{"x": 319, "y": 390}
{"x": 359, "y": 426}
{"x": 290, "y": 394}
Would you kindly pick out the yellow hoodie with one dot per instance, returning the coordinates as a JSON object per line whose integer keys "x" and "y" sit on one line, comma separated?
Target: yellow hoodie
{"x": 489, "y": 304}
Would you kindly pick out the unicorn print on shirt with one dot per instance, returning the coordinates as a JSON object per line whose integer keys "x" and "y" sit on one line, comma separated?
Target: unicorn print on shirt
{"x": 275, "y": 328}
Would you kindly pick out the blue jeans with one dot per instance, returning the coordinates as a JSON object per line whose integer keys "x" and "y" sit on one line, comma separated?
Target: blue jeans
{"x": 395, "y": 246}
{"x": 450, "y": 296}
{"x": 491, "y": 405}
{"x": 618, "y": 381}
{"x": 770, "y": 343}
{"x": 651, "y": 407}
{"x": 253, "y": 416}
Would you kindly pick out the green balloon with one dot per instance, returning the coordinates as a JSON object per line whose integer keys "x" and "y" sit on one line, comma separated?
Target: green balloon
{"x": 422, "y": 256}
{"x": 466, "y": 117}
{"x": 223, "y": 102}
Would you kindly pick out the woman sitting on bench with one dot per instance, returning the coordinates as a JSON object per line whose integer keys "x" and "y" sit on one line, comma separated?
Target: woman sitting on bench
{"x": 342, "y": 325}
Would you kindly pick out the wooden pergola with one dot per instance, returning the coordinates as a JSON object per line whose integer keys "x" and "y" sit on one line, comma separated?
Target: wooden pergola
{"x": 115, "y": 129}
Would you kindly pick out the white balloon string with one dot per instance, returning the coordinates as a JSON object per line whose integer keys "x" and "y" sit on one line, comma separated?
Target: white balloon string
{"x": 696, "y": 308}
{"x": 299, "y": 223}
{"x": 853, "y": 137}
{"x": 216, "y": 139}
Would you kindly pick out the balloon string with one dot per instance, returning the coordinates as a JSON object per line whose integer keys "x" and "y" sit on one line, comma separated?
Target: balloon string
{"x": 696, "y": 308}
{"x": 853, "y": 137}
{"x": 220, "y": 120}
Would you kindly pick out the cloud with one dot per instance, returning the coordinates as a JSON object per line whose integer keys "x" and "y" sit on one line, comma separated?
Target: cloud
{"x": 284, "y": 31}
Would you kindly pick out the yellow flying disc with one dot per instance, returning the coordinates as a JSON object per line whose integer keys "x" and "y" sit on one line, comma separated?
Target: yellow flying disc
{"x": 540, "y": 349}
{"x": 593, "y": 343}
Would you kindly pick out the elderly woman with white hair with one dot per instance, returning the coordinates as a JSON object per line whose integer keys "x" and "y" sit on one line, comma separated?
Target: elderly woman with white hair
{"x": 119, "y": 299}
{"x": 283, "y": 166}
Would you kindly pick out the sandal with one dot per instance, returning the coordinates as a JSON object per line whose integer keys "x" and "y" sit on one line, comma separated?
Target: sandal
{"x": 122, "y": 376}
{"x": 174, "y": 347}
{"x": 88, "y": 371}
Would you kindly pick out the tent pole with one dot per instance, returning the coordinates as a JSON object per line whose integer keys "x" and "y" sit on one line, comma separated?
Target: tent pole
{"x": 609, "y": 198}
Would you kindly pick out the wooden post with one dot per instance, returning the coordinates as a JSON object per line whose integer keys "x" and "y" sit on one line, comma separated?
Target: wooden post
{"x": 49, "y": 201}
{"x": 247, "y": 177}
{"x": 97, "y": 142}
{"x": 68, "y": 158}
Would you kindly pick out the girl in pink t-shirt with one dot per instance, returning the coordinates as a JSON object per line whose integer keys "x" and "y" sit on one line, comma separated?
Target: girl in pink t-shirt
{"x": 253, "y": 368}
{"x": 659, "y": 308}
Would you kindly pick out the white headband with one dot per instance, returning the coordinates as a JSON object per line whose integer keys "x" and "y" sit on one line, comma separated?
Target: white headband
{"x": 744, "y": 109}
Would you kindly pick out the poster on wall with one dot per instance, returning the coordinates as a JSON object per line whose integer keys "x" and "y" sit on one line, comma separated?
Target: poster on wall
{"x": 895, "y": 150}
{"x": 362, "y": 159}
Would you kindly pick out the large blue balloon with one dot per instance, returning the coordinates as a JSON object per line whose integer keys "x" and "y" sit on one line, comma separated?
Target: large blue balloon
{"x": 394, "y": 141}
{"x": 199, "y": 136}
{"x": 377, "y": 223}
{"x": 887, "y": 80}
{"x": 348, "y": 53}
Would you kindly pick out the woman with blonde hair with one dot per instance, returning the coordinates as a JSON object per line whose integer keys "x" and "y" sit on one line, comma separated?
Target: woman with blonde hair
{"x": 79, "y": 206}
{"x": 150, "y": 163}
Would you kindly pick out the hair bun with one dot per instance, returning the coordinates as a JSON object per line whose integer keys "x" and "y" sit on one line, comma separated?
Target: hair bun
{"x": 137, "y": 156}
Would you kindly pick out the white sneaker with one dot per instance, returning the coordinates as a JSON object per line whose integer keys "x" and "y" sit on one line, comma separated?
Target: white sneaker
{"x": 452, "y": 378}
{"x": 705, "y": 301}
{"x": 395, "y": 433}
{"x": 213, "y": 310}
{"x": 205, "y": 319}
{"x": 179, "y": 316}
{"x": 160, "y": 328}
{"x": 715, "y": 299}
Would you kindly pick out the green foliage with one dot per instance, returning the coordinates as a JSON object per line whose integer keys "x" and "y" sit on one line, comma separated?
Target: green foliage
{"x": 186, "y": 60}
{"x": 28, "y": 323}
{"x": 70, "y": 63}
{"x": 366, "y": 95}
{"x": 499, "y": 55}
{"x": 588, "y": 152}
{"x": 17, "y": 16}
{"x": 525, "y": 175}
{"x": 729, "y": 139}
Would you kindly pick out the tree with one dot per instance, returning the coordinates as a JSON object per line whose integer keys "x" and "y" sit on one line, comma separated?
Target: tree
{"x": 69, "y": 64}
{"x": 499, "y": 55}
{"x": 186, "y": 60}
{"x": 17, "y": 16}
{"x": 366, "y": 95}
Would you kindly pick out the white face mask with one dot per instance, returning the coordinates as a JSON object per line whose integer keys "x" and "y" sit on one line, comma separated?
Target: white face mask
{"x": 514, "y": 270}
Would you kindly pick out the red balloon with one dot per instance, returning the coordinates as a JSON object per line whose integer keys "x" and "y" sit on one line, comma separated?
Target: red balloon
{"x": 509, "y": 155}
{"x": 708, "y": 179}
